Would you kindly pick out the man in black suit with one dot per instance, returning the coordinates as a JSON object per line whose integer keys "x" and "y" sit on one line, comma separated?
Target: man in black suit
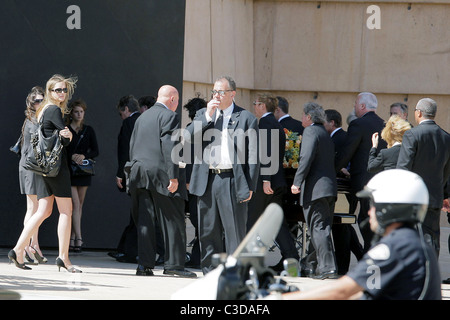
{"x": 293, "y": 212}
{"x": 282, "y": 115}
{"x": 271, "y": 183}
{"x": 356, "y": 152}
{"x": 344, "y": 235}
{"x": 316, "y": 179}
{"x": 157, "y": 190}
{"x": 128, "y": 108}
{"x": 225, "y": 171}
{"x": 425, "y": 150}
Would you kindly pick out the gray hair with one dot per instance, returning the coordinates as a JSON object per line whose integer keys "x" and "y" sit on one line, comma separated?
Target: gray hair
{"x": 231, "y": 83}
{"x": 403, "y": 107}
{"x": 428, "y": 107}
{"x": 315, "y": 111}
{"x": 369, "y": 100}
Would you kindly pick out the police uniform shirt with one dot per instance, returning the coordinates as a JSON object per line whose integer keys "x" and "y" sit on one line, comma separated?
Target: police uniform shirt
{"x": 395, "y": 268}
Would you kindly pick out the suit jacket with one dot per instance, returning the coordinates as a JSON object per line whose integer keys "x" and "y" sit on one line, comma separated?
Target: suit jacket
{"x": 123, "y": 143}
{"x": 357, "y": 146}
{"x": 242, "y": 125}
{"x": 269, "y": 123}
{"x": 385, "y": 160}
{"x": 338, "y": 139}
{"x": 315, "y": 174}
{"x": 292, "y": 124}
{"x": 151, "y": 166}
{"x": 426, "y": 151}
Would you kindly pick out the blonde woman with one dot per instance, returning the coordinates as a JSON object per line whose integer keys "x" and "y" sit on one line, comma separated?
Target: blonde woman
{"x": 57, "y": 92}
{"x": 393, "y": 135}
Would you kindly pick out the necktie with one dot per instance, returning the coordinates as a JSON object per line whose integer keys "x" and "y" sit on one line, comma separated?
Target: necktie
{"x": 219, "y": 121}
{"x": 215, "y": 154}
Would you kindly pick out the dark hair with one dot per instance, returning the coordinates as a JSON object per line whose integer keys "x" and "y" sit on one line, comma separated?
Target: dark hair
{"x": 334, "y": 115}
{"x": 128, "y": 101}
{"x": 283, "y": 104}
{"x": 402, "y": 106}
{"x": 194, "y": 105}
{"x": 148, "y": 101}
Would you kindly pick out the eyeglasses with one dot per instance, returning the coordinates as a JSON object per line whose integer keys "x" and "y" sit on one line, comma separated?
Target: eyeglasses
{"x": 220, "y": 92}
{"x": 256, "y": 103}
{"x": 60, "y": 90}
{"x": 38, "y": 101}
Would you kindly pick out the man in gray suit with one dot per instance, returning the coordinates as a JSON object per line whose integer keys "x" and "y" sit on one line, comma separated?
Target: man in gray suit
{"x": 425, "y": 150}
{"x": 157, "y": 192}
{"x": 316, "y": 179}
{"x": 225, "y": 170}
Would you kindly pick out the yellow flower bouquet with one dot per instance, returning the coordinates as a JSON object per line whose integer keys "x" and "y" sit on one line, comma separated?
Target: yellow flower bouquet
{"x": 292, "y": 149}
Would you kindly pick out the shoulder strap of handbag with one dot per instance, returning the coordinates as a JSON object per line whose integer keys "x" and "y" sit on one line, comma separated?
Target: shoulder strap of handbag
{"x": 81, "y": 137}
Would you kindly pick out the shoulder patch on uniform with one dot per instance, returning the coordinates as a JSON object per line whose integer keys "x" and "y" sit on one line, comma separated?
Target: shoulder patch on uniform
{"x": 379, "y": 252}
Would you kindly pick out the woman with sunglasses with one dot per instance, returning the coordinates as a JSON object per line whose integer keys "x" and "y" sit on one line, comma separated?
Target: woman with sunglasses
{"x": 27, "y": 179}
{"x": 57, "y": 92}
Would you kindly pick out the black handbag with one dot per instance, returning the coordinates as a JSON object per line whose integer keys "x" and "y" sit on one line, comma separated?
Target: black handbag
{"x": 45, "y": 159}
{"x": 86, "y": 168}
{"x": 16, "y": 148}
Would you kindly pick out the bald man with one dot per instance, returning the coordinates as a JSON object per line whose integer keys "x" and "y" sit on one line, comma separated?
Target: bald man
{"x": 157, "y": 193}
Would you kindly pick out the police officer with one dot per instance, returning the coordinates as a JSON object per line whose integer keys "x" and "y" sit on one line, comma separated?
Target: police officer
{"x": 400, "y": 265}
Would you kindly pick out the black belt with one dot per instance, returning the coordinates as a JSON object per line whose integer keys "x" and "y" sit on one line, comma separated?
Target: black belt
{"x": 219, "y": 171}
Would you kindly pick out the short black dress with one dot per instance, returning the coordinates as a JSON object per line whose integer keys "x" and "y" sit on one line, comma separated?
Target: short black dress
{"x": 58, "y": 186}
{"x": 83, "y": 142}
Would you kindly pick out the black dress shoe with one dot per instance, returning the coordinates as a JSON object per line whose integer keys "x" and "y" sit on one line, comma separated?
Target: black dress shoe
{"x": 326, "y": 275}
{"x": 180, "y": 273}
{"x": 143, "y": 271}
{"x": 305, "y": 271}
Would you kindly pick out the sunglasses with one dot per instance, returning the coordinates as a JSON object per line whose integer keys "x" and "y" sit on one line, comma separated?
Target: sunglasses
{"x": 60, "y": 90}
{"x": 36, "y": 101}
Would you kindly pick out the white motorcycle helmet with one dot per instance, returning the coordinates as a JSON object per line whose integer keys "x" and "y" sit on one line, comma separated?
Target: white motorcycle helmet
{"x": 398, "y": 196}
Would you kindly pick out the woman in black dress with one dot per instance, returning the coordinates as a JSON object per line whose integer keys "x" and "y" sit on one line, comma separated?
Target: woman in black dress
{"x": 57, "y": 92}
{"x": 27, "y": 178}
{"x": 83, "y": 146}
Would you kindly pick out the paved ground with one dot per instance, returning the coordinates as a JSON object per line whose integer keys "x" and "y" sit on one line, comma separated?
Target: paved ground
{"x": 105, "y": 279}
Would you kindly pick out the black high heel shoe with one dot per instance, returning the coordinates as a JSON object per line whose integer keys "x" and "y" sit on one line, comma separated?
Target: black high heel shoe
{"x": 13, "y": 258}
{"x": 39, "y": 258}
{"x": 60, "y": 264}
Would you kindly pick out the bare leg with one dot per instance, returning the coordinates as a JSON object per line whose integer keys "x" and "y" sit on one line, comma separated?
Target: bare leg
{"x": 64, "y": 227}
{"x": 78, "y": 196}
{"x": 32, "y": 225}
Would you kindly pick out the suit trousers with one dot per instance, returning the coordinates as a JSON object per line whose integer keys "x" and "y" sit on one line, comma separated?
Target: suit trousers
{"x": 220, "y": 214}
{"x": 256, "y": 207}
{"x": 431, "y": 228}
{"x": 319, "y": 218}
{"x": 150, "y": 208}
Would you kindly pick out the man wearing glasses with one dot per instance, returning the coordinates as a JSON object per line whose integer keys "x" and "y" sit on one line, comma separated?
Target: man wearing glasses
{"x": 425, "y": 150}
{"x": 225, "y": 174}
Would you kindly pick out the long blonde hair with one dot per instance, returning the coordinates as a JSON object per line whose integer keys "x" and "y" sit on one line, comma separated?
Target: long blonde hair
{"x": 70, "y": 85}
{"x": 394, "y": 130}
